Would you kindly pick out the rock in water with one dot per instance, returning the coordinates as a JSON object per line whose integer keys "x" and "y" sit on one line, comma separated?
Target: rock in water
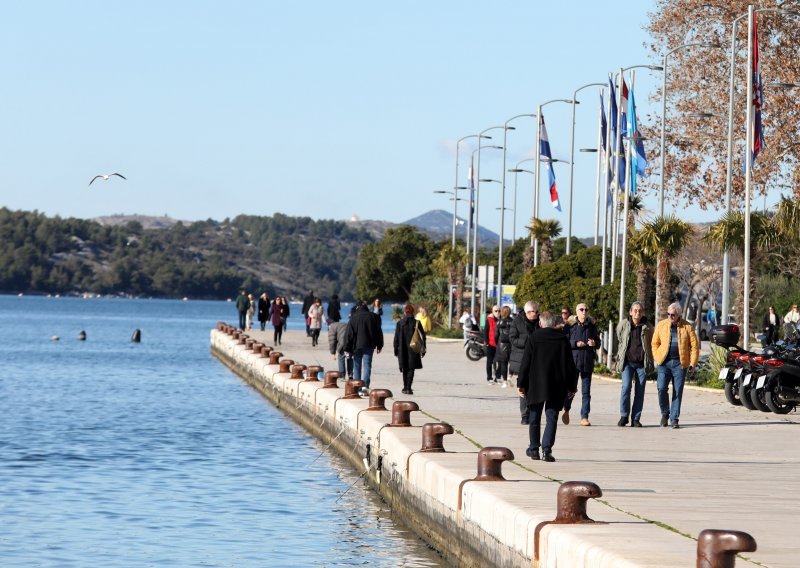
{"x": 82, "y": 336}
{"x": 137, "y": 336}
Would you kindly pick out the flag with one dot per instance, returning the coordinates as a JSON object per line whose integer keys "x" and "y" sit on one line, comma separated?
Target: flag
{"x": 544, "y": 150}
{"x": 758, "y": 95}
{"x": 638, "y": 159}
{"x": 614, "y": 150}
{"x": 603, "y": 134}
{"x": 471, "y": 176}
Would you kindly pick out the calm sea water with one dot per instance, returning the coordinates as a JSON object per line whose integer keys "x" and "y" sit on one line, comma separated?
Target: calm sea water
{"x": 153, "y": 454}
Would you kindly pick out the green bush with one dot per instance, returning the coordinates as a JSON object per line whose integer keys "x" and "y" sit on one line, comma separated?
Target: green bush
{"x": 707, "y": 374}
{"x": 445, "y": 333}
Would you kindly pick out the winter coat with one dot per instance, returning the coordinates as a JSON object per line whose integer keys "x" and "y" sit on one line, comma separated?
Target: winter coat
{"x": 547, "y": 371}
{"x": 334, "y": 309}
{"x": 337, "y": 333}
{"x": 502, "y": 338}
{"x": 275, "y": 316}
{"x": 583, "y": 356}
{"x": 263, "y": 309}
{"x": 424, "y": 321}
{"x": 624, "y": 334}
{"x": 688, "y": 346}
{"x": 315, "y": 315}
{"x": 242, "y": 303}
{"x": 491, "y": 325}
{"x": 363, "y": 331}
{"x": 406, "y": 358}
{"x": 308, "y": 301}
{"x": 521, "y": 327}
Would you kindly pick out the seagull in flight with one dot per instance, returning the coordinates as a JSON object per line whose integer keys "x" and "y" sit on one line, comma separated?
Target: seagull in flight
{"x": 105, "y": 177}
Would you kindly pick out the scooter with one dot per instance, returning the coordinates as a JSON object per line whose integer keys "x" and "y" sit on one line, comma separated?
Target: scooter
{"x": 474, "y": 348}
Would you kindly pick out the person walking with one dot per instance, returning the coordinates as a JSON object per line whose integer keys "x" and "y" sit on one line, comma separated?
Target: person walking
{"x": 521, "y": 327}
{"x": 502, "y": 338}
{"x": 364, "y": 337}
{"x": 377, "y": 307}
{"x": 769, "y": 325}
{"x": 242, "y": 305}
{"x": 337, "y": 335}
{"x": 315, "y": 314}
{"x": 263, "y": 310}
{"x": 793, "y": 316}
{"x": 489, "y": 342}
{"x": 423, "y": 319}
{"x": 277, "y": 320}
{"x": 584, "y": 340}
{"x": 334, "y": 309}
{"x": 308, "y": 301}
{"x": 634, "y": 359}
{"x": 408, "y": 359}
{"x": 547, "y": 375}
{"x": 251, "y": 310}
{"x": 675, "y": 351}
{"x": 467, "y": 322}
{"x": 711, "y": 318}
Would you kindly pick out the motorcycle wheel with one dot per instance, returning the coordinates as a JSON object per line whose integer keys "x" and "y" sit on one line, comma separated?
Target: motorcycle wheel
{"x": 757, "y": 398}
{"x": 474, "y": 353}
{"x": 744, "y": 396}
{"x": 776, "y": 404}
{"x": 732, "y": 394}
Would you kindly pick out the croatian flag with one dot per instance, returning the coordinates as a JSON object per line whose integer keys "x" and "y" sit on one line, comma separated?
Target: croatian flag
{"x": 544, "y": 150}
{"x": 603, "y": 133}
{"x": 758, "y": 95}
{"x": 638, "y": 158}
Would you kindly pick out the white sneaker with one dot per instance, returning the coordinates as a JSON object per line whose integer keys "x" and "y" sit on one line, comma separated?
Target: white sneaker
{"x": 504, "y": 384}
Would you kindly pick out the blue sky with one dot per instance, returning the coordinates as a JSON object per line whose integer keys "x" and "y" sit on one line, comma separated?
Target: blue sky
{"x": 213, "y": 109}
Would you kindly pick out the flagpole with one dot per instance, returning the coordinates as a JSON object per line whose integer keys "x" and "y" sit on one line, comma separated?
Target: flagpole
{"x": 748, "y": 177}
{"x": 572, "y": 162}
{"x": 599, "y": 170}
{"x": 606, "y": 183}
{"x": 535, "y": 241}
{"x": 628, "y": 187}
{"x": 617, "y": 152}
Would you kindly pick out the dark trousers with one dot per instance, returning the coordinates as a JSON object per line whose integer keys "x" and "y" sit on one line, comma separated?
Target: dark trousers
{"x": 276, "y": 337}
{"x": 408, "y": 378}
{"x": 490, "y": 351}
{"x": 314, "y": 337}
{"x": 242, "y": 320}
{"x": 551, "y": 409}
{"x": 501, "y": 370}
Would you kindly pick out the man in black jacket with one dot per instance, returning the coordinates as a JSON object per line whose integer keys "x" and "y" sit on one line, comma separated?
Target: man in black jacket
{"x": 364, "y": 336}
{"x": 546, "y": 375}
{"x": 522, "y": 326}
{"x": 242, "y": 305}
{"x": 308, "y": 301}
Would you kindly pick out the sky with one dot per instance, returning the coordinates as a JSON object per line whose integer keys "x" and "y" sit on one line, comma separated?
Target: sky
{"x": 319, "y": 109}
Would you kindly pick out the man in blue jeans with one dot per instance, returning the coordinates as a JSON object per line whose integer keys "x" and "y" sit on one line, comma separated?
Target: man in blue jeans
{"x": 584, "y": 340}
{"x": 634, "y": 359}
{"x": 676, "y": 351}
{"x": 363, "y": 337}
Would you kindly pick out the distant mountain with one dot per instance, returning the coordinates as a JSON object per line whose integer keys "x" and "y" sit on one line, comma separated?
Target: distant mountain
{"x": 438, "y": 224}
{"x": 146, "y": 221}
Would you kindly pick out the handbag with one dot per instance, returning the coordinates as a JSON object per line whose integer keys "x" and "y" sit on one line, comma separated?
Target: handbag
{"x": 416, "y": 344}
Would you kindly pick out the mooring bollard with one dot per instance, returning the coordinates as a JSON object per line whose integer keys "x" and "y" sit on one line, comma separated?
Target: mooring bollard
{"x": 570, "y": 507}
{"x": 351, "y": 389}
{"x": 490, "y": 462}
{"x": 257, "y": 347}
{"x": 718, "y": 548}
{"x": 377, "y": 398}
{"x": 285, "y": 365}
{"x": 297, "y": 371}
{"x": 313, "y": 372}
{"x": 433, "y": 434}
{"x": 330, "y": 380}
{"x": 220, "y": 326}
{"x": 274, "y": 357}
{"x": 265, "y": 351}
{"x": 248, "y": 344}
{"x": 401, "y": 413}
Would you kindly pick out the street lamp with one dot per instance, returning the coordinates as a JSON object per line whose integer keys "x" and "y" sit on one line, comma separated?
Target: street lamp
{"x": 456, "y": 187}
{"x": 664, "y": 112}
{"x": 597, "y": 193}
{"x": 572, "y": 158}
{"x": 516, "y": 170}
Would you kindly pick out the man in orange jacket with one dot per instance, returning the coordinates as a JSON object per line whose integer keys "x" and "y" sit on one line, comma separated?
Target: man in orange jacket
{"x": 675, "y": 351}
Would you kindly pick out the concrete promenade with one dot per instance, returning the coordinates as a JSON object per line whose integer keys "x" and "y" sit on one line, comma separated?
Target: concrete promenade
{"x": 725, "y": 468}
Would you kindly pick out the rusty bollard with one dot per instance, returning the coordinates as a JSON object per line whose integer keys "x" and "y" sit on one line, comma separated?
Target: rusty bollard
{"x": 377, "y": 398}
{"x": 285, "y": 365}
{"x": 248, "y": 344}
{"x": 220, "y": 326}
{"x": 490, "y": 461}
{"x": 433, "y": 434}
{"x": 274, "y": 357}
{"x": 312, "y": 373}
{"x": 257, "y": 347}
{"x": 265, "y": 350}
{"x": 401, "y": 412}
{"x": 570, "y": 507}
{"x": 351, "y": 389}
{"x": 330, "y": 380}
{"x": 718, "y": 548}
{"x": 297, "y": 371}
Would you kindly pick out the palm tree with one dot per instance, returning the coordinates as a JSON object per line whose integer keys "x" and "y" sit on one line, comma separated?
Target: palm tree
{"x": 662, "y": 238}
{"x": 544, "y": 231}
{"x": 452, "y": 262}
{"x": 728, "y": 234}
{"x": 642, "y": 261}
{"x": 786, "y": 220}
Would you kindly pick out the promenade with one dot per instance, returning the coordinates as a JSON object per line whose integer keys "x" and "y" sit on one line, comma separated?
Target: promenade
{"x": 725, "y": 468}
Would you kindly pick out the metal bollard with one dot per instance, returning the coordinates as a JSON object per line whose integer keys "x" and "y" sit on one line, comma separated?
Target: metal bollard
{"x": 351, "y": 389}
{"x": 265, "y": 351}
{"x": 220, "y": 326}
{"x": 242, "y": 339}
{"x": 274, "y": 357}
{"x": 490, "y": 461}
{"x": 312, "y": 373}
{"x": 433, "y": 434}
{"x": 377, "y": 398}
{"x": 718, "y": 548}
{"x": 285, "y": 365}
{"x": 248, "y": 344}
{"x": 570, "y": 507}
{"x": 330, "y": 380}
{"x": 257, "y": 347}
{"x": 401, "y": 412}
{"x": 297, "y": 371}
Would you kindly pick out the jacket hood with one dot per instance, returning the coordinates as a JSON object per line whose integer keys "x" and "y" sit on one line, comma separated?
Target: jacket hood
{"x": 573, "y": 319}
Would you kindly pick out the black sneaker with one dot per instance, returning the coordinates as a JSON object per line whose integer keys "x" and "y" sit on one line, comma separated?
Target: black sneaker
{"x": 548, "y": 457}
{"x": 524, "y": 420}
{"x": 622, "y": 421}
{"x": 636, "y": 424}
{"x": 533, "y": 454}
{"x": 675, "y": 425}
{"x": 664, "y": 421}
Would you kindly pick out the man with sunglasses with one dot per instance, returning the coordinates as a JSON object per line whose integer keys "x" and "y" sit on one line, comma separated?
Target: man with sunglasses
{"x": 675, "y": 351}
{"x": 584, "y": 340}
{"x": 521, "y": 327}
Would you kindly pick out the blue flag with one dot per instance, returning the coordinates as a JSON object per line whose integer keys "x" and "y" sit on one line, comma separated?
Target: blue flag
{"x": 615, "y": 151}
{"x": 603, "y": 134}
{"x": 638, "y": 158}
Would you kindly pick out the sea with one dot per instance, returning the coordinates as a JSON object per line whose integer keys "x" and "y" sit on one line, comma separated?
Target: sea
{"x": 117, "y": 453}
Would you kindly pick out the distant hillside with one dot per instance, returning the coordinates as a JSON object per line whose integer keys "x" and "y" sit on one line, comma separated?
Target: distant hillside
{"x": 147, "y": 222}
{"x": 438, "y": 224}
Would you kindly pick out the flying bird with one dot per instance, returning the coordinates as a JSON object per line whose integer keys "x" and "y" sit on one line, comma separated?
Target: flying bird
{"x": 105, "y": 177}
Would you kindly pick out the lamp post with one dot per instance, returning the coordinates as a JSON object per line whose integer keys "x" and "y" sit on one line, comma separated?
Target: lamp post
{"x": 664, "y": 112}
{"x": 535, "y": 242}
{"x": 516, "y": 170}
{"x": 572, "y": 159}
{"x": 597, "y": 195}
{"x": 475, "y": 229}
{"x": 456, "y": 187}
{"x": 506, "y": 128}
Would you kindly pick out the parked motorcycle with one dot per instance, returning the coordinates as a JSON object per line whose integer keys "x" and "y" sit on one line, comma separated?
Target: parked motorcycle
{"x": 474, "y": 348}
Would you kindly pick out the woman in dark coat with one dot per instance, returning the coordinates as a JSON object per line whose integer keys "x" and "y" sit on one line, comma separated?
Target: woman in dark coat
{"x": 406, "y": 358}
{"x": 277, "y": 320}
{"x": 263, "y": 310}
{"x": 502, "y": 338}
